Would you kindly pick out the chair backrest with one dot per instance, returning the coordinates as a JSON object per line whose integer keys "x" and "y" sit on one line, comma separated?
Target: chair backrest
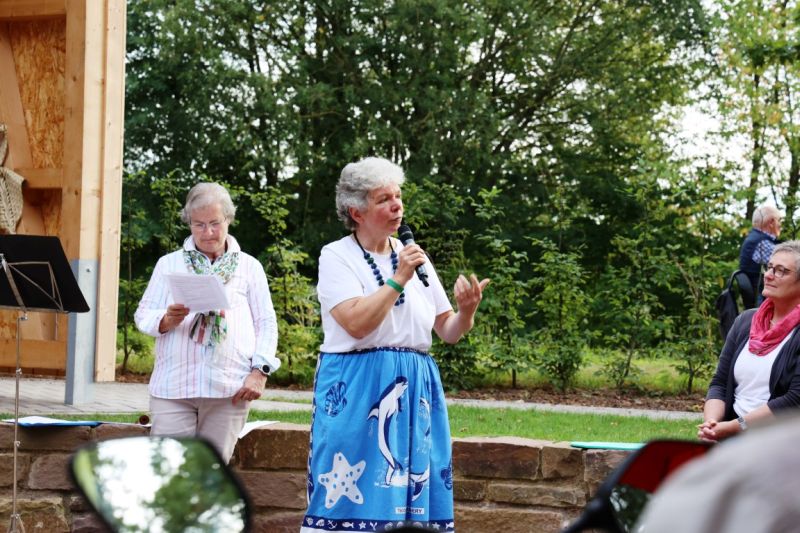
{"x": 738, "y": 287}
{"x": 746, "y": 289}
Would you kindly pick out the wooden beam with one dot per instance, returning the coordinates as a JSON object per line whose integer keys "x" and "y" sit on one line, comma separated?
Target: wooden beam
{"x": 111, "y": 195}
{"x": 41, "y": 178}
{"x": 74, "y": 134}
{"x": 18, "y": 10}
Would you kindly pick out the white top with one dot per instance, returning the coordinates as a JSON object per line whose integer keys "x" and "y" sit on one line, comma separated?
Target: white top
{"x": 751, "y": 373}
{"x": 186, "y": 369}
{"x": 345, "y": 274}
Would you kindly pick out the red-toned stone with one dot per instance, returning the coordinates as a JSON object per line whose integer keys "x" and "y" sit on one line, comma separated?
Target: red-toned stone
{"x": 7, "y": 468}
{"x": 560, "y": 460}
{"x": 88, "y": 523}
{"x": 42, "y": 512}
{"x": 277, "y": 523}
{"x": 114, "y": 431}
{"x": 599, "y": 464}
{"x": 285, "y": 490}
{"x": 493, "y": 519}
{"x": 274, "y": 447}
{"x": 499, "y": 457}
{"x": 469, "y": 489}
{"x": 538, "y": 494}
{"x": 50, "y": 472}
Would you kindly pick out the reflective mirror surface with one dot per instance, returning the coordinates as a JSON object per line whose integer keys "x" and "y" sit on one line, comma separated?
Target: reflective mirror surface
{"x": 160, "y": 484}
{"x": 627, "y": 504}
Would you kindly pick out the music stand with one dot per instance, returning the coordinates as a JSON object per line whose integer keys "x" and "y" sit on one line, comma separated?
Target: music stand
{"x": 34, "y": 276}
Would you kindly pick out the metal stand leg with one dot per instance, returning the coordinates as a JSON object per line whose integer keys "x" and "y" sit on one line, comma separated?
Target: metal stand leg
{"x": 16, "y": 525}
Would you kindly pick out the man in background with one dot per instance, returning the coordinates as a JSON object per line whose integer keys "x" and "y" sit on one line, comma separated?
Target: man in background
{"x": 758, "y": 244}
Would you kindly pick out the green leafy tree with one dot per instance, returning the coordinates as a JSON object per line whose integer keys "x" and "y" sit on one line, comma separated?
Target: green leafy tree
{"x": 551, "y": 103}
{"x": 561, "y": 305}
{"x": 759, "y": 76}
{"x": 503, "y": 307}
{"x": 293, "y": 294}
{"x": 699, "y": 344}
{"x": 131, "y": 288}
{"x": 633, "y": 313}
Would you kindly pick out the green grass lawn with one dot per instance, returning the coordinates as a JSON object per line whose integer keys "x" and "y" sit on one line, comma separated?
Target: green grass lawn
{"x": 477, "y": 421}
{"x": 542, "y": 425}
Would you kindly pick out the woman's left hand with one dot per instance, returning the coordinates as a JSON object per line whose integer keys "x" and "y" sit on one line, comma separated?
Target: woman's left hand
{"x": 469, "y": 293}
{"x": 718, "y": 431}
{"x": 251, "y": 389}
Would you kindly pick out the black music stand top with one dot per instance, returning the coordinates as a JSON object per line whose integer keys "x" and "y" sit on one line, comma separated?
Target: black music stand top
{"x": 41, "y": 273}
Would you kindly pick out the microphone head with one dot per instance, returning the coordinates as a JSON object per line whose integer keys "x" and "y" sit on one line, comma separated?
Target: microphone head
{"x": 404, "y": 234}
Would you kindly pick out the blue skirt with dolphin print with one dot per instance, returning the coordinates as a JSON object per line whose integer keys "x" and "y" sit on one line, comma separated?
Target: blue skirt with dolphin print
{"x": 380, "y": 454}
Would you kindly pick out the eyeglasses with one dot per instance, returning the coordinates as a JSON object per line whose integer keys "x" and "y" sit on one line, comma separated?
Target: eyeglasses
{"x": 778, "y": 271}
{"x": 214, "y": 225}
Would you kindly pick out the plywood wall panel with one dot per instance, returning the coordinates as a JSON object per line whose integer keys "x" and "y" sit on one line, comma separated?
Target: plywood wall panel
{"x": 50, "y": 204}
{"x": 39, "y": 50}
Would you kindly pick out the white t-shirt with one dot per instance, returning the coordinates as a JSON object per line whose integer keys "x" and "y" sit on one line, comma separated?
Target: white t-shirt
{"x": 345, "y": 274}
{"x": 751, "y": 373}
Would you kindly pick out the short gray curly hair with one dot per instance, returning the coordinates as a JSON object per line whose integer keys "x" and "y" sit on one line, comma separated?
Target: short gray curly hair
{"x": 205, "y": 194}
{"x": 792, "y": 247}
{"x": 358, "y": 179}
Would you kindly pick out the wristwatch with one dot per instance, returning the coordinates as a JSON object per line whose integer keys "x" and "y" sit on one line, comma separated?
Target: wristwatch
{"x": 264, "y": 369}
{"x": 742, "y": 423}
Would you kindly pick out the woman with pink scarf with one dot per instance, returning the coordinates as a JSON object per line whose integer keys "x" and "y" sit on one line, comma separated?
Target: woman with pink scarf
{"x": 758, "y": 373}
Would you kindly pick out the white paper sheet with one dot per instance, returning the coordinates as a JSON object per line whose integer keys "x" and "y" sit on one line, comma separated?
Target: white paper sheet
{"x": 28, "y": 421}
{"x": 250, "y": 426}
{"x": 198, "y": 292}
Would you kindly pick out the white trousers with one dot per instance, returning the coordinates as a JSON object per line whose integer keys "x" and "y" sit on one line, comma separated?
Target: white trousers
{"x": 215, "y": 419}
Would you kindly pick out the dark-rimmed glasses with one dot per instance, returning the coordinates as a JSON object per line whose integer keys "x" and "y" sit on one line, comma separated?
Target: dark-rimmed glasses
{"x": 778, "y": 271}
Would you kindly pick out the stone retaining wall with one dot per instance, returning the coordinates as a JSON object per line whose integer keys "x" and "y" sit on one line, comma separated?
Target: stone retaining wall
{"x": 503, "y": 484}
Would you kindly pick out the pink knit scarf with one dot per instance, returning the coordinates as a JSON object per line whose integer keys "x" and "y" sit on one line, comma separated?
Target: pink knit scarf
{"x": 764, "y": 339}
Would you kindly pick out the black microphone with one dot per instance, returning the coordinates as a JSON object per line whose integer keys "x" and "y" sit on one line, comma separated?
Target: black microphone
{"x": 406, "y": 237}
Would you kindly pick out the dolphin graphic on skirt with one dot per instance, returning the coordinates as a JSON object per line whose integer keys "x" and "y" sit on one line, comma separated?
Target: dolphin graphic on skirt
{"x": 383, "y": 410}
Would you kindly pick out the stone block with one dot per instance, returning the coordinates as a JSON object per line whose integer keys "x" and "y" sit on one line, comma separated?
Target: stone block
{"x": 45, "y": 438}
{"x": 492, "y": 519}
{"x": 539, "y": 494}
{"x": 76, "y": 503}
{"x": 277, "y": 523}
{"x": 50, "y": 472}
{"x": 42, "y": 513}
{"x": 469, "y": 489}
{"x": 7, "y": 468}
{"x": 560, "y": 460}
{"x": 88, "y": 523}
{"x": 115, "y": 431}
{"x": 502, "y": 457}
{"x": 598, "y": 464}
{"x": 274, "y": 447}
{"x": 275, "y": 489}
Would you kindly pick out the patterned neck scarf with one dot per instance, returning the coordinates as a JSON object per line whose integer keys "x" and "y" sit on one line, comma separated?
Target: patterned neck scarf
{"x": 210, "y": 329}
{"x": 763, "y": 338}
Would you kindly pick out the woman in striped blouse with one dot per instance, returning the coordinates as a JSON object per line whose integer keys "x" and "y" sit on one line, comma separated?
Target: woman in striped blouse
{"x": 209, "y": 365}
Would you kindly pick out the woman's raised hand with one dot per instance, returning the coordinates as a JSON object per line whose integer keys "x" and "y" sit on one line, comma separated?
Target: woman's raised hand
{"x": 469, "y": 293}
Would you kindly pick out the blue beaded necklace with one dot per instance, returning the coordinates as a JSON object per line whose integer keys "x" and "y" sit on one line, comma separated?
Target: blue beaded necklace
{"x": 377, "y": 272}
